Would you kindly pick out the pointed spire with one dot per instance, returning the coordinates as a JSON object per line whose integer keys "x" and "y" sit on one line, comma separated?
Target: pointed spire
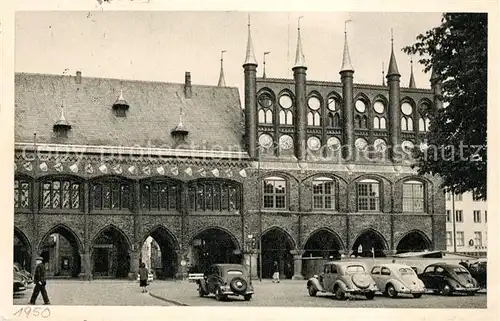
{"x": 346, "y": 58}
{"x": 383, "y": 74}
{"x": 393, "y": 66}
{"x": 300, "y": 59}
{"x": 412, "y": 77}
{"x": 62, "y": 120}
{"x": 222, "y": 80}
{"x": 121, "y": 101}
{"x": 250, "y": 55}
{"x": 180, "y": 129}
{"x": 264, "y": 63}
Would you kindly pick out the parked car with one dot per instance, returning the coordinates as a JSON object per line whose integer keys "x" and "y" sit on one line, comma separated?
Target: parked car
{"x": 478, "y": 271}
{"x": 225, "y": 280}
{"x": 343, "y": 278}
{"x": 19, "y": 282}
{"x": 23, "y": 273}
{"x": 448, "y": 278}
{"x": 393, "y": 279}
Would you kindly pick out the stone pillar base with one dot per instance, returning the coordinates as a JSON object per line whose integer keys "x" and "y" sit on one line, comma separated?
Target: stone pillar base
{"x": 298, "y": 277}
{"x": 132, "y": 276}
{"x": 85, "y": 277}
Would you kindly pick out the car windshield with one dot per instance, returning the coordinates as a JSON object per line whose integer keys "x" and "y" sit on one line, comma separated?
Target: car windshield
{"x": 460, "y": 270}
{"x": 354, "y": 269}
{"x": 234, "y": 272}
{"x": 406, "y": 271}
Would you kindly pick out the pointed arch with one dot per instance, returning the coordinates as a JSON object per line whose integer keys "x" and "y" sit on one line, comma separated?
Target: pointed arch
{"x": 262, "y": 116}
{"x": 233, "y": 238}
{"x": 282, "y": 231}
{"x": 66, "y": 232}
{"x": 164, "y": 231}
{"x": 22, "y": 237}
{"x": 414, "y": 240}
{"x": 363, "y": 97}
{"x": 422, "y": 103}
{"x": 334, "y": 234}
{"x": 22, "y": 249}
{"x": 370, "y": 238}
{"x": 382, "y": 99}
{"x": 114, "y": 228}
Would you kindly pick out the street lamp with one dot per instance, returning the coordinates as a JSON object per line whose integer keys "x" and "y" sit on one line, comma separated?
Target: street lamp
{"x": 250, "y": 248}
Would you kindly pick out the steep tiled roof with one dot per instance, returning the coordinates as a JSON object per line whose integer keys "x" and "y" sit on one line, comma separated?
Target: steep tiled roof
{"x": 213, "y": 114}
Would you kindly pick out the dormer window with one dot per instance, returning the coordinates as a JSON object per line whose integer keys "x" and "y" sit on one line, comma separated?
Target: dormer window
{"x": 180, "y": 131}
{"x": 120, "y": 106}
{"x": 61, "y": 127}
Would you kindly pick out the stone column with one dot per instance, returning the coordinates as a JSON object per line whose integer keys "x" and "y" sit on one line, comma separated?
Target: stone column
{"x": 134, "y": 264}
{"x": 86, "y": 257}
{"x": 250, "y": 262}
{"x": 182, "y": 271}
{"x": 297, "y": 264}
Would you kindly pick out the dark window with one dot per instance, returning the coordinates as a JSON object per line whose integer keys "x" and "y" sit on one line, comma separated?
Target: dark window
{"x": 214, "y": 196}
{"x": 22, "y": 194}
{"x": 385, "y": 271}
{"x": 275, "y": 193}
{"x": 110, "y": 195}
{"x": 368, "y": 195}
{"x": 376, "y": 270}
{"x": 61, "y": 194}
{"x": 323, "y": 193}
{"x": 158, "y": 196}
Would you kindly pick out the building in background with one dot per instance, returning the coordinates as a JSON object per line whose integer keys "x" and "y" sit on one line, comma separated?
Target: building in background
{"x": 469, "y": 224}
{"x": 310, "y": 169}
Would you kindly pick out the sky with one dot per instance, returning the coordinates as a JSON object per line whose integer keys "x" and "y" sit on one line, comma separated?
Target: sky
{"x": 162, "y": 46}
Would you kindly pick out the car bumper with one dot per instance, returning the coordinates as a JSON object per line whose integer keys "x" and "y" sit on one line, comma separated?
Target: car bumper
{"x": 466, "y": 290}
{"x": 229, "y": 292}
{"x": 360, "y": 291}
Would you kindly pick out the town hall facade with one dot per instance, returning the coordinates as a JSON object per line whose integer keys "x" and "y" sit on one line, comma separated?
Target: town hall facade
{"x": 308, "y": 169}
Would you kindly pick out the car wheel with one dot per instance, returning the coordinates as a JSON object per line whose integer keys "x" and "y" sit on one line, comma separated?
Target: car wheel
{"x": 339, "y": 294}
{"x": 219, "y": 296}
{"x": 417, "y": 295}
{"x": 248, "y": 297}
{"x": 391, "y": 291}
{"x": 370, "y": 295}
{"x": 446, "y": 290}
{"x": 312, "y": 290}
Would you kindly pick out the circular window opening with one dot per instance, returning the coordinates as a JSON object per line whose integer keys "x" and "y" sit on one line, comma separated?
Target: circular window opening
{"x": 379, "y": 107}
{"x": 332, "y": 104}
{"x": 360, "y": 106}
{"x": 265, "y": 140}
{"x": 361, "y": 144}
{"x": 333, "y": 143}
{"x": 314, "y": 103}
{"x": 285, "y": 101}
{"x": 314, "y": 143}
{"x": 286, "y": 142}
{"x": 265, "y": 100}
{"x": 406, "y": 109}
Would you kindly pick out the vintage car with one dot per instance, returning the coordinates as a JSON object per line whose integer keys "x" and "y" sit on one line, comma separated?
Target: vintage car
{"x": 343, "y": 278}
{"x": 225, "y": 280}
{"x": 19, "y": 283}
{"x": 392, "y": 279}
{"x": 448, "y": 278}
{"x": 478, "y": 271}
{"x": 25, "y": 275}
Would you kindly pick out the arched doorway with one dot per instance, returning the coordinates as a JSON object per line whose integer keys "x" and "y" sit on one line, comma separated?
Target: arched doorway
{"x": 159, "y": 253}
{"x": 368, "y": 240}
{"x": 414, "y": 241}
{"x": 211, "y": 246}
{"x": 22, "y": 250}
{"x": 60, "y": 249}
{"x": 323, "y": 243}
{"x": 110, "y": 254}
{"x": 276, "y": 247}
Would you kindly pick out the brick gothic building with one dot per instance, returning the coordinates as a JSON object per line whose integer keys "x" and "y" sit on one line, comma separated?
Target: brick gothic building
{"x": 308, "y": 170}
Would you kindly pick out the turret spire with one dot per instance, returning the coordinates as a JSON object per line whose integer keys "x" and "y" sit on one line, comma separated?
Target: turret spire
{"x": 412, "y": 77}
{"x": 264, "y": 63}
{"x": 383, "y": 74}
{"x": 300, "y": 60}
{"x": 393, "y": 66}
{"x": 222, "y": 80}
{"x": 346, "y": 58}
{"x": 250, "y": 55}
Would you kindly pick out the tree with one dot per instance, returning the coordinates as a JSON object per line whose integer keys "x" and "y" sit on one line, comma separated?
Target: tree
{"x": 457, "y": 51}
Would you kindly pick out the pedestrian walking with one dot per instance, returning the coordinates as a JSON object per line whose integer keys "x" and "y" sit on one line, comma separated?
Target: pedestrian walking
{"x": 276, "y": 274}
{"x": 40, "y": 283}
{"x": 143, "y": 277}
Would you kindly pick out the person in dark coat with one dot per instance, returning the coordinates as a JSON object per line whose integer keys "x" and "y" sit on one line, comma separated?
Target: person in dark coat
{"x": 40, "y": 282}
{"x": 143, "y": 277}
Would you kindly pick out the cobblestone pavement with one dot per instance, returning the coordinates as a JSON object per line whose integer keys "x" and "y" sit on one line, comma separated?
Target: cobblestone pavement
{"x": 98, "y": 292}
{"x": 294, "y": 294}
{"x": 167, "y": 293}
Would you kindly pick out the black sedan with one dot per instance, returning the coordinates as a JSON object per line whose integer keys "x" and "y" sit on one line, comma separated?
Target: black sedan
{"x": 448, "y": 278}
